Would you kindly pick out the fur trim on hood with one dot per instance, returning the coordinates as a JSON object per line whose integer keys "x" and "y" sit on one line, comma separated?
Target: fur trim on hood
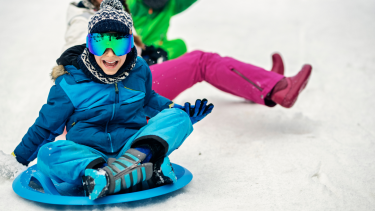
{"x": 57, "y": 71}
{"x": 69, "y": 57}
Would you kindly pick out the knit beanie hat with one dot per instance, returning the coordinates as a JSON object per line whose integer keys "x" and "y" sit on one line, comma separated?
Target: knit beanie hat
{"x": 110, "y": 18}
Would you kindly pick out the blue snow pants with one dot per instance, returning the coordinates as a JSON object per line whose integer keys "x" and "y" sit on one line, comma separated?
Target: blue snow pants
{"x": 65, "y": 161}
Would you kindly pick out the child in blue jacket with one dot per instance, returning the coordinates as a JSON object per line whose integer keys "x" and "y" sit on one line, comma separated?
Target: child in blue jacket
{"x": 102, "y": 96}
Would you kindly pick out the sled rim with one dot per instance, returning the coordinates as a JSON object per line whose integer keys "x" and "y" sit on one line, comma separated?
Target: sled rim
{"x": 184, "y": 177}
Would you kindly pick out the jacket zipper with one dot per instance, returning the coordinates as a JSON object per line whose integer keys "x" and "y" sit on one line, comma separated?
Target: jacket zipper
{"x": 116, "y": 89}
{"x": 110, "y": 141}
{"x": 248, "y": 80}
{"x": 113, "y": 114}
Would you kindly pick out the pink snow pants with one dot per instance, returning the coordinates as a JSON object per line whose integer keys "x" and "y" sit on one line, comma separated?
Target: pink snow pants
{"x": 253, "y": 83}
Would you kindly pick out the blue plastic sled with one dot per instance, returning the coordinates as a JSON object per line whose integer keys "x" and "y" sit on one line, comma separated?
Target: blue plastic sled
{"x": 35, "y": 186}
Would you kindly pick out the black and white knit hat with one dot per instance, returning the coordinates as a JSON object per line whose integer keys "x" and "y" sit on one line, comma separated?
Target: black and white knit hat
{"x": 110, "y": 18}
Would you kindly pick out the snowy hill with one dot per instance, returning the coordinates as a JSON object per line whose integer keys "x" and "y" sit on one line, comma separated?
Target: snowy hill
{"x": 318, "y": 155}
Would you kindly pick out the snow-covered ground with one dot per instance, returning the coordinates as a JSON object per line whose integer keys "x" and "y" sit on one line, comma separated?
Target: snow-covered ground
{"x": 319, "y": 155}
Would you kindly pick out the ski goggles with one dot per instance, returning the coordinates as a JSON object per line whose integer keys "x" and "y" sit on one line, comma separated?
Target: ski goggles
{"x": 121, "y": 44}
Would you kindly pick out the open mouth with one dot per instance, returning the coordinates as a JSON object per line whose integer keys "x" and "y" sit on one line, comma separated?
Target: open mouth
{"x": 110, "y": 64}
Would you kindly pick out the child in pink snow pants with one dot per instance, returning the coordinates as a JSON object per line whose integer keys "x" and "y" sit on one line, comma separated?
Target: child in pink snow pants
{"x": 172, "y": 77}
{"x": 253, "y": 83}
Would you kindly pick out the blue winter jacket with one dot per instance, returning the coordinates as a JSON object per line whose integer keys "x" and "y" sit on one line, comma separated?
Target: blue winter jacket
{"x": 102, "y": 116}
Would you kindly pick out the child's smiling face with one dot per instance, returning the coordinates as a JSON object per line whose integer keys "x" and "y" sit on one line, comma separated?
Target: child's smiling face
{"x": 109, "y": 62}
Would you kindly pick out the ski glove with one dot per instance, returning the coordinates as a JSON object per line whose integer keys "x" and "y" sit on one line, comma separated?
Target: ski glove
{"x": 152, "y": 55}
{"x": 198, "y": 111}
{"x": 20, "y": 160}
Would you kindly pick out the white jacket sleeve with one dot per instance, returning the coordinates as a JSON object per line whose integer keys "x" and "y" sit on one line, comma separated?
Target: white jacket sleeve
{"x": 76, "y": 32}
{"x": 77, "y": 21}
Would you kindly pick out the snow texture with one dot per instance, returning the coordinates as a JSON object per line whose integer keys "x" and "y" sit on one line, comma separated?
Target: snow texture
{"x": 9, "y": 166}
{"x": 318, "y": 155}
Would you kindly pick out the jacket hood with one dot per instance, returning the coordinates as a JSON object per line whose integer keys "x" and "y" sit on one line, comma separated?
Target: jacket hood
{"x": 57, "y": 71}
{"x": 69, "y": 57}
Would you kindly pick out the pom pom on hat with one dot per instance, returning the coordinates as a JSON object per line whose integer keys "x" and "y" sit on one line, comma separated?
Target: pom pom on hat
{"x": 115, "y": 4}
{"x": 110, "y": 18}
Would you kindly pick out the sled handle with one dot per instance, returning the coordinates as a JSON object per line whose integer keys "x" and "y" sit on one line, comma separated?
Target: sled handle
{"x": 45, "y": 182}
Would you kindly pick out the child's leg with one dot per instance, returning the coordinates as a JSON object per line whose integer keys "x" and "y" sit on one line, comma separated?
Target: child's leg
{"x": 162, "y": 135}
{"x": 122, "y": 173}
{"x": 172, "y": 77}
{"x": 169, "y": 129}
{"x": 66, "y": 161}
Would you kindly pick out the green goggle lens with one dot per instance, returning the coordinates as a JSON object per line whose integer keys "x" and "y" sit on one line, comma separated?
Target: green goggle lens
{"x": 121, "y": 44}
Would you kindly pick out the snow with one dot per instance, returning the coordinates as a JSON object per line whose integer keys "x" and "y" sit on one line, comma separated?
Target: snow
{"x": 9, "y": 167}
{"x": 318, "y": 155}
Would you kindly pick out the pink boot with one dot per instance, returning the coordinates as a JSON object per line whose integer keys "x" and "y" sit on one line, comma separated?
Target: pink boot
{"x": 286, "y": 91}
{"x": 278, "y": 65}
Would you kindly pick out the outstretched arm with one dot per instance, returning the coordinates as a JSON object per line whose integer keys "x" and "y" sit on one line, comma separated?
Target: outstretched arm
{"x": 48, "y": 125}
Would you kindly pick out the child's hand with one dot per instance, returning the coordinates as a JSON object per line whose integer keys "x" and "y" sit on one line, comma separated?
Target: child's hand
{"x": 198, "y": 111}
{"x": 9, "y": 166}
